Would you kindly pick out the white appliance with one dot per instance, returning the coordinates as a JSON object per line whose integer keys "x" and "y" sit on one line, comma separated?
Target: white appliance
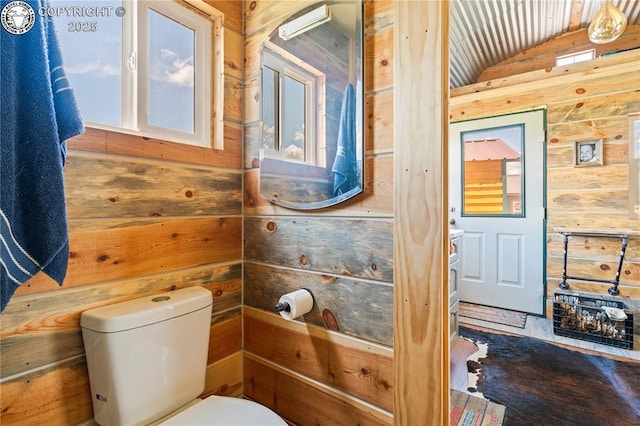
{"x": 147, "y": 361}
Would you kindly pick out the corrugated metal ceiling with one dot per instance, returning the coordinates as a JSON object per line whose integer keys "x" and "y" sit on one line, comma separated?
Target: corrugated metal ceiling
{"x": 486, "y": 32}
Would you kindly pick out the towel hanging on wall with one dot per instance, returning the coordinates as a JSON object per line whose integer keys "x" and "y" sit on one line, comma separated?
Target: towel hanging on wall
{"x": 39, "y": 113}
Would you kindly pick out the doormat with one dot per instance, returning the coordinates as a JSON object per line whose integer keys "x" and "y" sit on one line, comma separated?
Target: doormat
{"x": 490, "y": 314}
{"x": 543, "y": 384}
{"x": 467, "y": 410}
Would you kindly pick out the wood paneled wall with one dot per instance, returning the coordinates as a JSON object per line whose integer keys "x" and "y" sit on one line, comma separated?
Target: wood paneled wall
{"x": 148, "y": 216}
{"x": 145, "y": 216}
{"x": 543, "y": 56}
{"x": 335, "y": 365}
{"x": 591, "y": 100}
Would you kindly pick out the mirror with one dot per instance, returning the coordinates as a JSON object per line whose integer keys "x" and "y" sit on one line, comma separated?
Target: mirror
{"x": 312, "y": 107}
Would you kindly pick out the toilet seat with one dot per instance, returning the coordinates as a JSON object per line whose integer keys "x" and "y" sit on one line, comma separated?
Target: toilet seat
{"x": 225, "y": 411}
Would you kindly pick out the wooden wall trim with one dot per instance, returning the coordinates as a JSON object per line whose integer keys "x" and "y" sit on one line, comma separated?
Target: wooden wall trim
{"x": 319, "y": 332}
{"x": 421, "y": 318}
{"x": 563, "y": 88}
{"x": 119, "y": 142}
{"x": 351, "y": 368}
{"x": 346, "y": 400}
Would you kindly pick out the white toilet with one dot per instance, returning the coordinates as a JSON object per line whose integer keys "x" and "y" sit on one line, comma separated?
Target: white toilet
{"x": 147, "y": 362}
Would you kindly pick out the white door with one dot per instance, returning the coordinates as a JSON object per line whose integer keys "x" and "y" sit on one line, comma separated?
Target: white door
{"x": 496, "y": 196}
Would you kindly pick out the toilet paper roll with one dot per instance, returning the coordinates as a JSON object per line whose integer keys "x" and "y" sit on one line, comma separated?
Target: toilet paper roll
{"x": 300, "y": 302}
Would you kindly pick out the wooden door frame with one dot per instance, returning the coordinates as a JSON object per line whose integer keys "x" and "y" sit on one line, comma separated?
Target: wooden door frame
{"x": 420, "y": 232}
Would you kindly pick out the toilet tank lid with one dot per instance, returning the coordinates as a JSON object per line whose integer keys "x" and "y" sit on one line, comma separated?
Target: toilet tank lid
{"x": 145, "y": 310}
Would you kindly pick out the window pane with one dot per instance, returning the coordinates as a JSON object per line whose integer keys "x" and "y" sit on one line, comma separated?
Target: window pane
{"x": 171, "y": 74}
{"x": 92, "y": 56}
{"x": 269, "y": 106}
{"x": 493, "y": 171}
{"x": 293, "y": 116}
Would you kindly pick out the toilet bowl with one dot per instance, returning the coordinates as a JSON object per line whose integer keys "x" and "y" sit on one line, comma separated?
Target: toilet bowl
{"x": 147, "y": 361}
{"x": 224, "y": 411}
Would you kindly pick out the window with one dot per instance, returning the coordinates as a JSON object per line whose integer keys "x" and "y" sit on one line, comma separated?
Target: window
{"x": 493, "y": 171}
{"x": 142, "y": 66}
{"x": 575, "y": 58}
{"x": 291, "y": 122}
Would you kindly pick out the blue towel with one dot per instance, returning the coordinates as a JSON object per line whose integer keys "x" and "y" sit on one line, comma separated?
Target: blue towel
{"x": 39, "y": 113}
{"x": 344, "y": 164}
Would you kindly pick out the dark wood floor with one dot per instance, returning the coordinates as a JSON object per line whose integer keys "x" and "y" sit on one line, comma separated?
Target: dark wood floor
{"x": 460, "y": 351}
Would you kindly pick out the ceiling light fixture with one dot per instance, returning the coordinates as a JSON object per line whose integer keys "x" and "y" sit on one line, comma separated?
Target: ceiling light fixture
{"x": 305, "y": 22}
{"x": 608, "y": 24}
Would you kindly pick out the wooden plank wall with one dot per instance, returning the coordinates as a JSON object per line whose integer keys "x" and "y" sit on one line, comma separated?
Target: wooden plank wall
{"x": 584, "y": 101}
{"x": 543, "y": 56}
{"x": 145, "y": 216}
{"x": 334, "y": 366}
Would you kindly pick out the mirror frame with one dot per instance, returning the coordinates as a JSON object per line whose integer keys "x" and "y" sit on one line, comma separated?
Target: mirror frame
{"x": 292, "y": 166}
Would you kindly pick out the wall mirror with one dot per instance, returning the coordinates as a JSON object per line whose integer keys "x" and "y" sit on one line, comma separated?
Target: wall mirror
{"x": 312, "y": 107}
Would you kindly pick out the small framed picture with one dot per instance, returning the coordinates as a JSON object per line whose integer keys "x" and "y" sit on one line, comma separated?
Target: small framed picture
{"x": 587, "y": 153}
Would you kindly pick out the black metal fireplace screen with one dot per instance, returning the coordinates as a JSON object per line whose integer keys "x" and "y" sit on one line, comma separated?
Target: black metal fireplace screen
{"x": 584, "y": 318}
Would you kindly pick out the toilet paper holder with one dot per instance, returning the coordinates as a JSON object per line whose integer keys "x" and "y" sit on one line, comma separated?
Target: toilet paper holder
{"x": 295, "y": 304}
{"x": 283, "y": 307}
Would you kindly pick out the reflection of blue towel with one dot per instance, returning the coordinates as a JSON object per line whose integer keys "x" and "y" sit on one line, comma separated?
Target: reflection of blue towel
{"x": 344, "y": 165}
{"x": 39, "y": 114}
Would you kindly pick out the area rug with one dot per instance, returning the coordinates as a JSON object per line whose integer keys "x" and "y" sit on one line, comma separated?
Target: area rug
{"x": 467, "y": 410}
{"x": 490, "y": 314}
{"x": 544, "y": 384}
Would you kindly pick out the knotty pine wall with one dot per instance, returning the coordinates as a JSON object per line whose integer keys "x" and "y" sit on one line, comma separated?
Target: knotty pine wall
{"x": 139, "y": 209}
{"x": 145, "y": 216}
{"x": 584, "y": 101}
{"x": 335, "y": 366}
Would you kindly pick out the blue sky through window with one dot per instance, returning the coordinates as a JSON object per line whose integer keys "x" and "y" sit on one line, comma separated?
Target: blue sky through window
{"x": 171, "y": 69}
{"x": 93, "y": 62}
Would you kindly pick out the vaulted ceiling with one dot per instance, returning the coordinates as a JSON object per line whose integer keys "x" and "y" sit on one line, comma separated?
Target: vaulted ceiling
{"x": 486, "y": 32}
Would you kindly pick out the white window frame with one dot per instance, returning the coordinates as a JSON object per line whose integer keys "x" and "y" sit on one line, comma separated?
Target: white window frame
{"x": 208, "y": 72}
{"x": 202, "y": 80}
{"x": 284, "y": 64}
{"x": 574, "y": 58}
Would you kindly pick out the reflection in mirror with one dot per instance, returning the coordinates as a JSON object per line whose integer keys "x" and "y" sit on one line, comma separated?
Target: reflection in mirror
{"x": 493, "y": 178}
{"x": 311, "y": 101}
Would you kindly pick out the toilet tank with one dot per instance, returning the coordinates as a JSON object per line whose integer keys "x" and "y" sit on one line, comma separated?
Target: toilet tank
{"x": 148, "y": 356}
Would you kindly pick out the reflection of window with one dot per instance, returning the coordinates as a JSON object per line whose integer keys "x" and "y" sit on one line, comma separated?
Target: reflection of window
{"x": 292, "y": 93}
{"x": 147, "y": 71}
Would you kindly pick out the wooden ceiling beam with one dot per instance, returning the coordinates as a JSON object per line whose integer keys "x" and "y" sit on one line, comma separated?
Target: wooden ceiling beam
{"x": 576, "y": 15}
